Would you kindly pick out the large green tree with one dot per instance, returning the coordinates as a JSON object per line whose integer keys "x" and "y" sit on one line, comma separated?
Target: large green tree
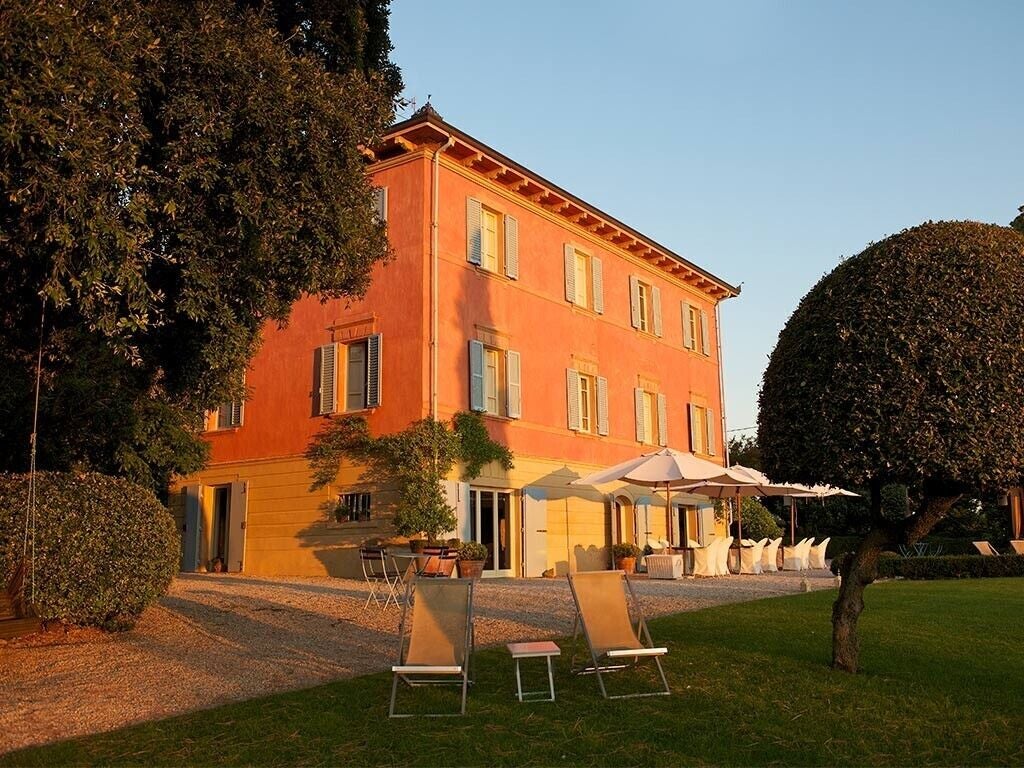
{"x": 1018, "y": 223}
{"x": 904, "y": 365}
{"x": 174, "y": 176}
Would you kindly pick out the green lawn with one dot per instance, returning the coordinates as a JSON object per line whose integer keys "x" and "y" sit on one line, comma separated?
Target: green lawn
{"x": 943, "y": 684}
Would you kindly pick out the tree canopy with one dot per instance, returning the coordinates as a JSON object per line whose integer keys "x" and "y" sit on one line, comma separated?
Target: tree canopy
{"x": 174, "y": 176}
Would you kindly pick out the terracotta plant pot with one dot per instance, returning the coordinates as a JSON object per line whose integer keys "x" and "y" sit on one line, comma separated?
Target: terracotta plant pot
{"x": 471, "y": 569}
{"x": 627, "y": 564}
{"x": 417, "y": 545}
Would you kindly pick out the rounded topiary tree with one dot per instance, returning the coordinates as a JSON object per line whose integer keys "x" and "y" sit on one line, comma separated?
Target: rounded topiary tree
{"x": 105, "y": 548}
{"x": 904, "y": 365}
{"x": 758, "y": 522}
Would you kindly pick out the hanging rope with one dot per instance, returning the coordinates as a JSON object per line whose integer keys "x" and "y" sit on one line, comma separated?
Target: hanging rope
{"x": 30, "y": 511}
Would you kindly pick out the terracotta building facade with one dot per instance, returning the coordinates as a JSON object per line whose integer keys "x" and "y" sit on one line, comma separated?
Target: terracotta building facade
{"x": 581, "y": 342}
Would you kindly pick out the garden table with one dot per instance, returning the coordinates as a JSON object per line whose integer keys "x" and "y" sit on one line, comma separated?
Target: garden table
{"x": 542, "y": 649}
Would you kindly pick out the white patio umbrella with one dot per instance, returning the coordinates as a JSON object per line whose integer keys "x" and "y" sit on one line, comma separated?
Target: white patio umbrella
{"x": 669, "y": 469}
{"x": 755, "y": 483}
{"x": 812, "y": 492}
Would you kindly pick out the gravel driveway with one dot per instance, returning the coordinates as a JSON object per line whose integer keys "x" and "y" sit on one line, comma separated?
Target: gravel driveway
{"x": 219, "y": 638}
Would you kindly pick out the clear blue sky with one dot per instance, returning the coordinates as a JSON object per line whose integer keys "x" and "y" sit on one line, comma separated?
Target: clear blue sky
{"x": 764, "y": 141}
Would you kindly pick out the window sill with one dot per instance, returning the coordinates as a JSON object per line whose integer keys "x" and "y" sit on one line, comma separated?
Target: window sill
{"x": 484, "y": 272}
{"x": 496, "y": 416}
{"x": 221, "y": 430}
{"x": 589, "y": 435}
{"x": 340, "y": 414}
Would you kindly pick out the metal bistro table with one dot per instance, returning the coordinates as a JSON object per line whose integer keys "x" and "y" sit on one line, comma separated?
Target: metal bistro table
{"x": 410, "y": 569}
{"x": 545, "y": 649}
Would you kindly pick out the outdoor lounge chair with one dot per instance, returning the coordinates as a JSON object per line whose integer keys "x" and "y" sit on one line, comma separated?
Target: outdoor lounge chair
{"x": 985, "y": 548}
{"x": 816, "y": 556}
{"x": 795, "y": 558}
{"x": 770, "y": 556}
{"x": 1018, "y": 546}
{"x": 750, "y": 557}
{"x": 704, "y": 560}
{"x": 603, "y": 611}
{"x": 435, "y": 638}
{"x": 722, "y": 557}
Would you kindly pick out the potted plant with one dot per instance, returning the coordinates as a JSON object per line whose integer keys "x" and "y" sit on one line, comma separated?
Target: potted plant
{"x": 417, "y": 545}
{"x": 625, "y": 556}
{"x": 472, "y": 555}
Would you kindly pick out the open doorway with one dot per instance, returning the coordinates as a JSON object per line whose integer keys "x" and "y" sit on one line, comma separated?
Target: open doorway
{"x": 221, "y": 528}
{"x": 626, "y": 522}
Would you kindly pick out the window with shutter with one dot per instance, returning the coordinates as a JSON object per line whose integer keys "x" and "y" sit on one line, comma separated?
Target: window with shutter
{"x": 694, "y": 433}
{"x": 602, "y": 405}
{"x": 229, "y": 415}
{"x": 701, "y": 430}
{"x": 328, "y": 355}
{"x": 709, "y": 419}
{"x": 373, "y": 367}
{"x": 355, "y": 376}
{"x": 634, "y": 301}
{"x": 638, "y": 403}
{"x": 511, "y": 248}
{"x": 569, "y": 258}
{"x": 474, "y": 233}
{"x": 476, "y": 375}
{"x": 597, "y": 283}
{"x": 705, "y": 333}
{"x": 655, "y": 325}
{"x": 689, "y": 315}
{"x": 380, "y": 203}
{"x": 572, "y": 396}
{"x": 662, "y": 419}
{"x": 515, "y": 388}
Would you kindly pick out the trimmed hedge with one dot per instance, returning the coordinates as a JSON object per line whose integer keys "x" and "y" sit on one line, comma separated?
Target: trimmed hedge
{"x": 943, "y": 567}
{"x": 105, "y": 547}
{"x": 950, "y": 546}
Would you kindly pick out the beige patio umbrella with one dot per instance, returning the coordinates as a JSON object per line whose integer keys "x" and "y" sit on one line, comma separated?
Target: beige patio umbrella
{"x": 754, "y": 483}
{"x": 812, "y": 492}
{"x": 669, "y": 469}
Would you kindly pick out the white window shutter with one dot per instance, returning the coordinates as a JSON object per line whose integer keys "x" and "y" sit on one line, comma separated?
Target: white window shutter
{"x": 511, "y": 248}
{"x": 687, "y": 330}
{"x": 572, "y": 396}
{"x": 662, "y": 419}
{"x": 380, "y": 203}
{"x": 476, "y": 375}
{"x": 709, "y": 416}
{"x": 514, "y": 388}
{"x": 597, "y": 277}
{"x": 602, "y": 405}
{"x": 638, "y": 402}
{"x": 705, "y": 333}
{"x": 569, "y": 256}
{"x": 694, "y": 437}
{"x": 474, "y": 231}
{"x": 634, "y": 300}
{"x": 328, "y": 378}
{"x": 373, "y": 371}
{"x": 656, "y": 309}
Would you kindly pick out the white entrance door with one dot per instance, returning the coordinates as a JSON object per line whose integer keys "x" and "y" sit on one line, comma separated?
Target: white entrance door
{"x": 491, "y": 525}
{"x": 237, "y": 511}
{"x": 535, "y": 531}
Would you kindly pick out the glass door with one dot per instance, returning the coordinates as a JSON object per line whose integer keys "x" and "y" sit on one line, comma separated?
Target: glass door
{"x": 491, "y": 525}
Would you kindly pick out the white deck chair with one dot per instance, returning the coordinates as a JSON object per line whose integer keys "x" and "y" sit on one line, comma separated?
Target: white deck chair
{"x": 603, "y": 611}
{"x": 1018, "y": 546}
{"x": 985, "y": 548}
{"x": 722, "y": 558}
{"x": 770, "y": 556}
{"x": 816, "y": 555}
{"x": 439, "y": 644}
{"x": 750, "y": 557}
{"x": 794, "y": 558}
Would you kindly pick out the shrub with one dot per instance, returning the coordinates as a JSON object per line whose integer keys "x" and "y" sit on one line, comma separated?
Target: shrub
{"x": 105, "y": 547}
{"x": 891, "y": 565}
{"x": 472, "y": 550}
{"x": 625, "y": 550}
{"x": 758, "y": 522}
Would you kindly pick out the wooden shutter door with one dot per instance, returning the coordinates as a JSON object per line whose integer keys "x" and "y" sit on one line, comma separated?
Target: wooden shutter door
{"x": 705, "y": 334}
{"x": 597, "y": 280}
{"x": 535, "y": 531}
{"x": 656, "y": 309}
{"x": 373, "y": 371}
{"x": 474, "y": 231}
{"x": 602, "y": 405}
{"x": 237, "y": 512}
{"x": 572, "y": 396}
{"x": 192, "y": 529}
{"x": 511, "y": 248}
{"x": 328, "y": 378}
{"x": 476, "y": 376}
{"x": 514, "y": 385}
{"x": 687, "y": 330}
{"x": 709, "y": 416}
{"x": 634, "y": 300}
{"x": 569, "y": 257}
{"x": 662, "y": 419}
{"x": 638, "y": 402}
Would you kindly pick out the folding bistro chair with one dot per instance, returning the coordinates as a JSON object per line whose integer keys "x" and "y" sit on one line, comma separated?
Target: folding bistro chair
{"x": 440, "y": 563}
{"x": 435, "y": 639}
{"x": 375, "y": 571}
{"x": 602, "y": 609}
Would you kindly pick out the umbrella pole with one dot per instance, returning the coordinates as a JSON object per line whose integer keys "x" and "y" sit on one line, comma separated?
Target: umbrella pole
{"x": 792, "y": 521}
{"x": 668, "y": 512}
{"x": 739, "y": 532}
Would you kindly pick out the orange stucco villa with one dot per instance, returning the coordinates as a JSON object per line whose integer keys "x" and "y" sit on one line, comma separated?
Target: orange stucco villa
{"x": 582, "y": 342}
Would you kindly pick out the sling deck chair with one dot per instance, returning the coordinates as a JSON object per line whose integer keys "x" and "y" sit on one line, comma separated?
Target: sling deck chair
{"x": 437, "y": 647}
{"x": 603, "y": 611}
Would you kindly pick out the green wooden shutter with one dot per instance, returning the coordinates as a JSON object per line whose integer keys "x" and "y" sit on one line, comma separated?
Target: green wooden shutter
{"x": 638, "y": 403}
{"x": 656, "y": 309}
{"x": 572, "y": 396}
{"x": 511, "y": 248}
{"x": 597, "y": 278}
{"x": 328, "y": 354}
{"x": 514, "y": 388}
{"x": 373, "y": 350}
{"x": 476, "y": 376}
{"x": 569, "y": 257}
{"x": 709, "y": 416}
{"x": 705, "y": 333}
{"x": 474, "y": 231}
{"x": 634, "y": 300}
{"x": 602, "y": 405}
{"x": 662, "y": 419}
{"x": 687, "y": 330}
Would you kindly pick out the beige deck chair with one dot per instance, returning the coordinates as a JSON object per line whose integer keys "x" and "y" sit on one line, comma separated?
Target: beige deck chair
{"x": 1018, "y": 546}
{"x": 603, "y": 611}
{"x": 439, "y": 644}
{"x": 985, "y": 548}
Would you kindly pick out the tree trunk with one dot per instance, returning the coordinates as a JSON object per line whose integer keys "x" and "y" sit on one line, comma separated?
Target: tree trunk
{"x": 862, "y": 569}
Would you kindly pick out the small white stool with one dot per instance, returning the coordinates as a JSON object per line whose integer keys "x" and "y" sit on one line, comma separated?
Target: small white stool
{"x": 544, "y": 648}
